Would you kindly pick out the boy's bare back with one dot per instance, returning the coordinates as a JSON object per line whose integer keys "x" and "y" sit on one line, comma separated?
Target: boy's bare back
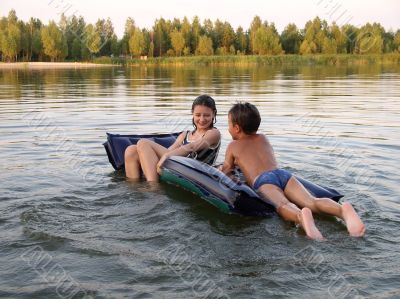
{"x": 253, "y": 154}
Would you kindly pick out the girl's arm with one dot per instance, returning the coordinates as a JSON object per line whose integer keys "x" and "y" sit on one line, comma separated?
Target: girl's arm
{"x": 178, "y": 142}
{"x": 210, "y": 138}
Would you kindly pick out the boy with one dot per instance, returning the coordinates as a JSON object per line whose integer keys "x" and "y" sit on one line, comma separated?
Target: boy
{"x": 254, "y": 155}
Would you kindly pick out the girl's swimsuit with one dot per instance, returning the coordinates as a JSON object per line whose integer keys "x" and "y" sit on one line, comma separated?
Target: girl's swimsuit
{"x": 207, "y": 155}
{"x": 278, "y": 177}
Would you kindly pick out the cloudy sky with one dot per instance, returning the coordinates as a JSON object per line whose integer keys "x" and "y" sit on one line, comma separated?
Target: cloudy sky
{"x": 281, "y": 12}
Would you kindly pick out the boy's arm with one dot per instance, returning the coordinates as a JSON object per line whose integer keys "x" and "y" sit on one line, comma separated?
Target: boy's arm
{"x": 229, "y": 163}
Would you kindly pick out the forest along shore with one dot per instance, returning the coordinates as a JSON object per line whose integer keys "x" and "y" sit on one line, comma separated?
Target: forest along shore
{"x": 50, "y": 65}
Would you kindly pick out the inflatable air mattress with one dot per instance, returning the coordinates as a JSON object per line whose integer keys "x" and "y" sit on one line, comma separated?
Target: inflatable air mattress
{"x": 204, "y": 180}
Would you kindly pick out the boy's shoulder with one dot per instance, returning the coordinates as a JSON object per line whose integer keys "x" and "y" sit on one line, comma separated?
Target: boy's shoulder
{"x": 239, "y": 143}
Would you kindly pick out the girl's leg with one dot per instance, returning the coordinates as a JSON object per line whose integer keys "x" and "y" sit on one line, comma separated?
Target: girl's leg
{"x": 149, "y": 154}
{"x": 299, "y": 195}
{"x": 289, "y": 211}
{"x": 132, "y": 163}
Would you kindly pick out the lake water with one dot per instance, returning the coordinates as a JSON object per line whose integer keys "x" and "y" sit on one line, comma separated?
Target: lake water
{"x": 72, "y": 227}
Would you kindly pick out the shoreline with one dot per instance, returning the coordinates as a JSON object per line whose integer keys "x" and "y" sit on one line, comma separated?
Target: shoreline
{"x": 272, "y": 60}
{"x": 219, "y": 60}
{"x": 52, "y": 65}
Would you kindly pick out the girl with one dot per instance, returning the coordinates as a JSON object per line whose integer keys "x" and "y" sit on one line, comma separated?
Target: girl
{"x": 202, "y": 143}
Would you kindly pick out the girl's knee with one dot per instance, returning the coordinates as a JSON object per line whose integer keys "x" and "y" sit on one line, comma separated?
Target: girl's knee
{"x": 142, "y": 144}
{"x": 130, "y": 151}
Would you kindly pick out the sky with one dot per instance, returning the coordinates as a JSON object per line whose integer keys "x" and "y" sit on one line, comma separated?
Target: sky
{"x": 237, "y": 13}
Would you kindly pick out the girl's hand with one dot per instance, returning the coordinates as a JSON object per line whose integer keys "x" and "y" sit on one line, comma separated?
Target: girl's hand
{"x": 161, "y": 162}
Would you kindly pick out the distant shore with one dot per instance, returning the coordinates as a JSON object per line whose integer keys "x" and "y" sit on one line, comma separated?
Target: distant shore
{"x": 244, "y": 60}
{"x": 218, "y": 60}
{"x": 50, "y": 65}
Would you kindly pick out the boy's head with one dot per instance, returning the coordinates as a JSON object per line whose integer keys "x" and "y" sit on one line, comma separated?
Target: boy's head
{"x": 245, "y": 116}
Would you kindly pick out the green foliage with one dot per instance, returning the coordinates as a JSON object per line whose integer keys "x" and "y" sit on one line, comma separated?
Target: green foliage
{"x": 396, "y": 41}
{"x": 76, "y": 50}
{"x": 307, "y": 47}
{"x": 151, "y": 50}
{"x": 92, "y": 39}
{"x": 254, "y": 26}
{"x": 177, "y": 41}
{"x": 241, "y": 40}
{"x": 291, "y": 39}
{"x": 266, "y": 41}
{"x": 205, "y": 47}
{"x": 136, "y": 43}
{"x": 228, "y": 36}
{"x": 369, "y": 39}
{"x": 54, "y": 43}
{"x": 73, "y": 39}
{"x": 10, "y": 40}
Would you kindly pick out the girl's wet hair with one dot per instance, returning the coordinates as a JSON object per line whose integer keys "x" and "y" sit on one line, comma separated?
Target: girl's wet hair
{"x": 205, "y": 100}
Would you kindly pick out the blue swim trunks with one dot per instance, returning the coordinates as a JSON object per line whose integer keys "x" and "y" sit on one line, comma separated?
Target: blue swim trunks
{"x": 277, "y": 177}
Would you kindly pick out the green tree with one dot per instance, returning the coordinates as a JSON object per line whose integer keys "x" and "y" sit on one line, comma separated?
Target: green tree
{"x": 228, "y": 37}
{"x": 160, "y": 37}
{"x": 314, "y": 37}
{"x": 151, "y": 50}
{"x": 369, "y": 39}
{"x": 10, "y": 37}
{"x": 196, "y": 32}
{"x": 396, "y": 41}
{"x": 218, "y": 34}
{"x": 115, "y": 47}
{"x": 37, "y": 45}
{"x": 54, "y": 43}
{"x": 186, "y": 29}
{"x": 307, "y": 47}
{"x": 177, "y": 41}
{"x": 241, "y": 40}
{"x": 92, "y": 40}
{"x": 254, "y": 26}
{"x": 76, "y": 50}
{"x": 128, "y": 33}
{"x": 340, "y": 38}
{"x": 266, "y": 41}
{"x": 350, "y": 32}
{"x": 388, "y": 42}
{"x": 291, "y": 39}
{"x": 136, "y": 43}
{"x": 11, "y": 42}
{"x": 205, "y": 46}
{"x": 329, "y": 46}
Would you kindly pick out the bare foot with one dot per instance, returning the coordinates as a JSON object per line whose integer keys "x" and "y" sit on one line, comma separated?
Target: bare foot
{"x": 355, "y": 226}
{"x": 307, "y": 222}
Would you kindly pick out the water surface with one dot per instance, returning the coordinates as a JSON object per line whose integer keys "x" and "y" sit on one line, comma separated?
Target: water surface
{"x": 71, "y": 226}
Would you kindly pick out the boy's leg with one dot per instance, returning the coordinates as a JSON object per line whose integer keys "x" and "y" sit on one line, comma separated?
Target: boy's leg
{"x": 132, "y": 163}
{"x": 298, "y": 194}
{"x": 149, "y": 155}
{"x": 290, "y": 211}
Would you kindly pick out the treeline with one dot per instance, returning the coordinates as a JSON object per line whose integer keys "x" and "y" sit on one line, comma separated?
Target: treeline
{"x": 73, "y": 39}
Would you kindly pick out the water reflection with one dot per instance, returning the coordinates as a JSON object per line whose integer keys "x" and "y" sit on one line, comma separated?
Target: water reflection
{"x": 106, "y": 82}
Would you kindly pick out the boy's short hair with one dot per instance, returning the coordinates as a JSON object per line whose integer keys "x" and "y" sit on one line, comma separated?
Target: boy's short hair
{"x": 246, "y": 116}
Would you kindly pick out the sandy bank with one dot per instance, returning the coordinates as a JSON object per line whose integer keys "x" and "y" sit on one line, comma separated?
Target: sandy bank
{"x": 50, "y": 65}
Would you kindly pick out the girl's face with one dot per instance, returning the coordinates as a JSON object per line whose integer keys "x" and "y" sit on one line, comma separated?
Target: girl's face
{"x": 203, "y": 117}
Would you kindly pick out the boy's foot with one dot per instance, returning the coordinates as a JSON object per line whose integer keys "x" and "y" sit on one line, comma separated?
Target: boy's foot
{"x": 307, "y": 222}
{"x": 355, "y": 226}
